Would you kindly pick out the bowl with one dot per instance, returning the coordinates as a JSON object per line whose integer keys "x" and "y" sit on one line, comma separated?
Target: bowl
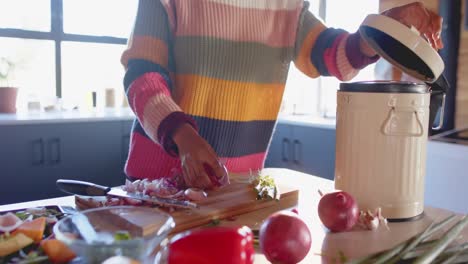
{"x": 98, "y": 234}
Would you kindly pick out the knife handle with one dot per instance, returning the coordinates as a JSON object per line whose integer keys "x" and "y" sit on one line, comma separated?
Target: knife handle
{"x": 82, "y": 188}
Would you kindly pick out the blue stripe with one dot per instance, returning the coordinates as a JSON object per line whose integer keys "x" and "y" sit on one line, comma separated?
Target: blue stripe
{"x": 138, "y": 67}
{"x": 230, "y": 138}
{"x": 324, "y": 41}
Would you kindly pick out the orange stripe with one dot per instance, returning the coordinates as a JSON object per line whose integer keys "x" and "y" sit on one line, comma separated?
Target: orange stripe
{"x": 148, "y": 48}
{"x": 227, "y": 100}
{"x": 303, "y": 61}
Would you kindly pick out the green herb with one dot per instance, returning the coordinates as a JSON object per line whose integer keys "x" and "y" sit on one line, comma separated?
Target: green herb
{"x": 443, "y": 242}
{"x": 122, "y": 235}
{"x": 22, "y": 215}
{"x": 420, "y": 251}
{"x": 266, "y": 188}
{"x": 214, "y": 222}
{"x": 342, "y": 256}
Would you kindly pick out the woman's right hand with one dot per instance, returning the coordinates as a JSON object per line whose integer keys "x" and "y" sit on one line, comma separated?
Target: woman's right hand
{"x": 195, "y": 154}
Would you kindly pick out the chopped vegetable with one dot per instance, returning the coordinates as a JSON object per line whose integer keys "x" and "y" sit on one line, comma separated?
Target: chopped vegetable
{"x": 13, "y": 244}
{"x": 122, "y": 235}
{"x": 214, "y": 222}
{"x": 57, "y": 251}
{"x": 9, "y": 222}
{"x": 33, "y": 229}
{"x": 266, "y": 188}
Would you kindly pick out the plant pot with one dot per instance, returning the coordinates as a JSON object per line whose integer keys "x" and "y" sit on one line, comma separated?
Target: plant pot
{"x": 8, "y": 99}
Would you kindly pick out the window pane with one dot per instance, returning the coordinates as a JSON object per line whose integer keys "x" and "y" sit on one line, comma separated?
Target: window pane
{"x": 99, "y": 18}
{"x": 301, "y": 94}
{"x": 348, "y": 16}
{"x": 90, "y": 67}
{"x": 33, "y": 68}
{"x": 25, "y": 14}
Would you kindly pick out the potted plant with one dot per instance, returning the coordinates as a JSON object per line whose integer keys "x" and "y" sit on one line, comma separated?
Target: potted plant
{"x": 8, "y": 93}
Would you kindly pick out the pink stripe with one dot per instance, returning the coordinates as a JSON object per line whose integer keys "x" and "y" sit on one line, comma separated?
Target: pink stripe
{"x": 147, "y": 159}
{"x": 330, "y": 57}
{"x": 144, "y": 88}
{"x": 244, "y": 164}
{"x": 275, "y": 28}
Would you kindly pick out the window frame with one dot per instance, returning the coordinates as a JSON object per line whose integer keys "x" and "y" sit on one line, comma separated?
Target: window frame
{"x": 57, "y": 35}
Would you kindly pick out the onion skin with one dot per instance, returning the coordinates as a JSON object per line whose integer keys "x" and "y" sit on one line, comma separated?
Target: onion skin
{"x": 195, "y": 194}
{"x": 285, "y": 238}
{"x": 338, "y": 211}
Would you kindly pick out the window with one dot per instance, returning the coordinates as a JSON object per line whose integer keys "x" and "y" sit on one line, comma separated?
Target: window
{"x": 25, "y": 14}
{"x": 318, "y": 96}
{"x": 64, "y": 48}
{"x": 99, "y": 18}
{"x": 87, "y": 68}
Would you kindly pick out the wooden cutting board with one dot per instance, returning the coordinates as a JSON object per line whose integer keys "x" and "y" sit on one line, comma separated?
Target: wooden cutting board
{"x": 235, "y": 199}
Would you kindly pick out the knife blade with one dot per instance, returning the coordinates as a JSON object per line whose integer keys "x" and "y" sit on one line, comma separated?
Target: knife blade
{"x": 90, "y": 189}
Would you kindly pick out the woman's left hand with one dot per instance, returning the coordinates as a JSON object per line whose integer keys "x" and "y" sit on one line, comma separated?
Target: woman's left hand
{"x": 427, "y": 22}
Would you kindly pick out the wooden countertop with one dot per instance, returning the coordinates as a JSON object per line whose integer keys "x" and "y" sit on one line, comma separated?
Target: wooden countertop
{"x": 353, "y": 244}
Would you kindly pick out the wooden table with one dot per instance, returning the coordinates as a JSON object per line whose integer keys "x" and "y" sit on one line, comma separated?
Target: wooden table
{"x": 353, "y": 244}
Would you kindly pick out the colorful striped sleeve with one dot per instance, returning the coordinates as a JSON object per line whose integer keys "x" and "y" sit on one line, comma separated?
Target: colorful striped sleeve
{"x": 148, "y": 62}
{"x": 322, "y": 51}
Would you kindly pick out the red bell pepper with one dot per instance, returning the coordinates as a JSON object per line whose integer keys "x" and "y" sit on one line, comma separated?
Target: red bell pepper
{"x": 213, "y": 245}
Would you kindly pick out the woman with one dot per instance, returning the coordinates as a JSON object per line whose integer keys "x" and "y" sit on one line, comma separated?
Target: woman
{"x": 205, "y": 78}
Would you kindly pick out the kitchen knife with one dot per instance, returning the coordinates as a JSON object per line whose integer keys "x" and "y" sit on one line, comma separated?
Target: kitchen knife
{"x": 91, "y": 189}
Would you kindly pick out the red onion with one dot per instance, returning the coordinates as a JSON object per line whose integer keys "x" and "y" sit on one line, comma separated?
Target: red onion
{"x": 338, "y": 211}
{"x": 285, "y": 238}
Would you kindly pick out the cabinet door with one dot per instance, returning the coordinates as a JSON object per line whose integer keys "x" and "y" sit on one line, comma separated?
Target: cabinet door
{"x": 279, "y": 153}
{"x": 126, "y": 134}
{"x": 22, "y": 163}
{"x": 91, "y": 151}
{"x": 313, "y": 150}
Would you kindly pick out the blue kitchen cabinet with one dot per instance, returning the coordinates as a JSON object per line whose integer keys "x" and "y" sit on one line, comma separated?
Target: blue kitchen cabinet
{"x": 280, "y": 151}
{"x": 91, "y": 152}
{"x": 126, "y": 127}
{"x": 34, "y": 156}
{"x": 313, "y": 150}
{"x": 26, "y": 172}
{"x": 302, "y": 147}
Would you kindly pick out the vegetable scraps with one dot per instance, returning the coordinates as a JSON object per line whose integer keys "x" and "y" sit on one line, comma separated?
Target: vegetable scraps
{"x": 266, "y": 188}
{"x": 26, "y": 238}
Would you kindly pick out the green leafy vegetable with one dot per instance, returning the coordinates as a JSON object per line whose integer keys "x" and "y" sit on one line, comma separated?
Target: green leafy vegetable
{"x": 266, "y": 188}
{"x": 122, "y": 235}
{"x": 214, "y": 222}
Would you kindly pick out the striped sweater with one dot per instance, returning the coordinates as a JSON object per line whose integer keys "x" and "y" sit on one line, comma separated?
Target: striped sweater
{"x": 221, "y": 66}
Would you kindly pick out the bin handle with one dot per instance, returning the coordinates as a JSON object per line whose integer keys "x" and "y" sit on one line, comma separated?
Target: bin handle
{"x": 391, "y": 114}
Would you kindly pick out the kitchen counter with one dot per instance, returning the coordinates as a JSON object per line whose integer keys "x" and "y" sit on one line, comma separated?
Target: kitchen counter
{"x": 66, "y": 117}
{"x": 353, "y": 244}
{"x": 124, "y": 114}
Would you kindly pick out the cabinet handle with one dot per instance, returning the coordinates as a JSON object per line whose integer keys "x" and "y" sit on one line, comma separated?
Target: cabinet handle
{"x": 38, "y": 152}
{"x": 54, "y": 151}
{"x": 285, "y": 150}
{"x": 297, "y": 145}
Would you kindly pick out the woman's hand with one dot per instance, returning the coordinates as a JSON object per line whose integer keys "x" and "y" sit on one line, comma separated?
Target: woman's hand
{"x": 195, "y": 154}
{"x": 427, "y": 22}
